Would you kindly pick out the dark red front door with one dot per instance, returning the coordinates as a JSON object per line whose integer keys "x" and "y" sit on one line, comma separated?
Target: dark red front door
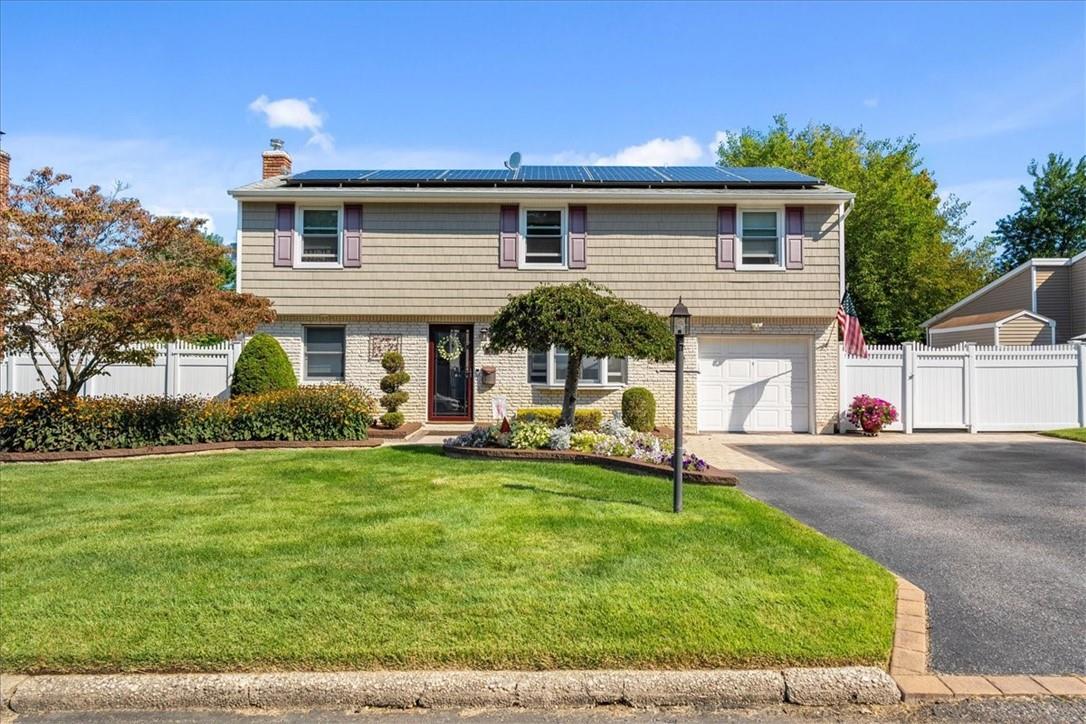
{"x": 451, "y": 375}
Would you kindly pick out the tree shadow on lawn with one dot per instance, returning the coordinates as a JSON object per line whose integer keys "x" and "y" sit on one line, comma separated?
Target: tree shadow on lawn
{"x": 588, "y": 498}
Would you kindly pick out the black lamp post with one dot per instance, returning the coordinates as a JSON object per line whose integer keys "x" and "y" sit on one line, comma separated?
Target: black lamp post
{"x": 680, "y": 327}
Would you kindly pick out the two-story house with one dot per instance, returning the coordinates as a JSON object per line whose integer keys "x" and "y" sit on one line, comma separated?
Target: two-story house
{"x": 1039, "y": 302}
{"x": 359, "y": 262}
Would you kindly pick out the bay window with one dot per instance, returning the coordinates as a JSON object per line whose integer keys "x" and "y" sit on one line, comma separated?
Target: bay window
{"x": 548, "y": 367}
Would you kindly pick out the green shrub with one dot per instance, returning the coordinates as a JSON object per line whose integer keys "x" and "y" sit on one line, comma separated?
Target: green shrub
{"x": 530, "y": 435}
{"x": 392, "y": 420}
{"x": 587, "y": 440}
{"x": 44, "y": 423}
{"x": 639, "y": 409}
{"x": 262, "y": 366}
{"x": 391, "y": 383}
{"x": 587, "y": 419}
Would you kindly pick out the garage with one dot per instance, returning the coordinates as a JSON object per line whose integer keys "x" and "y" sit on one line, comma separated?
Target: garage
{"x": 757, "y": 384}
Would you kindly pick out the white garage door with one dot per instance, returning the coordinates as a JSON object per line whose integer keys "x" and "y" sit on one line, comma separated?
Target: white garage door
{"x": 753, "y": 385}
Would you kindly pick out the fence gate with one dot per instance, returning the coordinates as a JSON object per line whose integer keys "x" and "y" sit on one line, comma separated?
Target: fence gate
{"x": 972, "y": 388}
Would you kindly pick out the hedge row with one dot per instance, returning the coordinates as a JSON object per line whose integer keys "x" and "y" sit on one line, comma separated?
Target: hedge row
{"x": 46, "y": 423}
{"x": 583, "y": 419}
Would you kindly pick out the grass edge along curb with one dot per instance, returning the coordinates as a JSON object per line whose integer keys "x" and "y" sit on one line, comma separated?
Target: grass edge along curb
{"x": 136, "y": 452}
{"x": 711, "y": 476}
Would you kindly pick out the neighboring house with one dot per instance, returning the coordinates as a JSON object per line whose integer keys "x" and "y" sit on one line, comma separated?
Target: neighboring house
{"x": 357, "y": 262}
{"x": 1042, "y": 301}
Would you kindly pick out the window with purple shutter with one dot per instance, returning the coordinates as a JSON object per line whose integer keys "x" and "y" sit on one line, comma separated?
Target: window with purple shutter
{"x": 508, "y": 234}
{"x": 793, "y": 237}
{"x": 578, "y": 237}
{"x": 283, "y": 253}
{"x": 352, "y": 235}
{"x": 725, "y": 237}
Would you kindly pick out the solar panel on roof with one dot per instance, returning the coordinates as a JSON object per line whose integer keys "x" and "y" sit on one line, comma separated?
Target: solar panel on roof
{"x": 330, "y": 175}
{"x": 696, "y": 174}
{"x": 490, "y": 174}
{"x": 772, "y": 175}
{"x": 420, "y": 174}
{"x": 644, "y": 174}
{"x": 553, "y": 173}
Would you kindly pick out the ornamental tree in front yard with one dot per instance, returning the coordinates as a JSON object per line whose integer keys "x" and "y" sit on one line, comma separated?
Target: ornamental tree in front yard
{"x": 88, "y": 280}
{"x": 585, "y": 319}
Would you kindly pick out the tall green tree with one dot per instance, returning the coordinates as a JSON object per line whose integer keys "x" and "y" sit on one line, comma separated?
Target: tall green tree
{"x": 908, "y": 251}
{"x": 1052, "y": 219}
{"x": 585, "y": 319}
{"x": 228, "y": 269}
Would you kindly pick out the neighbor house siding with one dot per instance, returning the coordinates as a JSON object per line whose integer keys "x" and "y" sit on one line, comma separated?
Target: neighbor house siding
{"x": 1012, "y": 295}
{"x": 1054, "y": 299}
{"x": 1025, "y": 331}
{"x": 1077, "y": 274}
{"x": 985, "y": 335}
{"x": 441, "y": 260}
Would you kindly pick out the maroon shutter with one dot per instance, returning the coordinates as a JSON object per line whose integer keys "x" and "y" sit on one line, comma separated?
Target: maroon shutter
{"x": 793, "y": 237}
{"x": 352, "y": 235}
{"x": 284, "y": 234}
{"x": 507, "y": 237}
{"x": 578, "y": 237}
{"x": 725, "y": 237}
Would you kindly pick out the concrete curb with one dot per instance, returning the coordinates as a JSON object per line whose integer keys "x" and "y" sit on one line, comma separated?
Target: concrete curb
{"x": 410, "y": 689}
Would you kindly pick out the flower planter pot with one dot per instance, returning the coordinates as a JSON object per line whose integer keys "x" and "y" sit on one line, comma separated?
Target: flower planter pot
{"x": 871, "y": 428}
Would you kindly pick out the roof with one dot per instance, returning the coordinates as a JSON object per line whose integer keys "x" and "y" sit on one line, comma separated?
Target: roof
{"x": 567, "y": 176}
{"x": 988, "y": 319}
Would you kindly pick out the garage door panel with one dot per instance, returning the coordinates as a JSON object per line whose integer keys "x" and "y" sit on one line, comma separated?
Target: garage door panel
{"x": 753, "y": 385}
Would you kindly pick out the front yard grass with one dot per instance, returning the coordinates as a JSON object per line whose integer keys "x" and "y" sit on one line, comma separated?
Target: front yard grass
{"x": 1078, "y": 434}
{"x": 403, "y": 558}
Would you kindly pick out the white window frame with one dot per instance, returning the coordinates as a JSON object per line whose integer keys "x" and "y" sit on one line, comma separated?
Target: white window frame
{"x": 739, "y": 265}
{"x": 556, "y": 382}
{"x": 299, "y": 224}
{"x": 522, "y": 244}
{"x": 305, "y": 354}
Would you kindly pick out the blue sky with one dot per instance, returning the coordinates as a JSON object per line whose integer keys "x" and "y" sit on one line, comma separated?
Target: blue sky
{"x": 177, "y": 100}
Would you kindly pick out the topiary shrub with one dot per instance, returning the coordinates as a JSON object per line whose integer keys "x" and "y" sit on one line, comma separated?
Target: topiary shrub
{"x": 639, "y": 409}
{"x": 262, "y": 366}
{"x": 391, "y": 383}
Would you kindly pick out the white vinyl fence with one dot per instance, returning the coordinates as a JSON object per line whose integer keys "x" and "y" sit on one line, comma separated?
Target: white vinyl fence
{"x": 180, "y": 368}
{"x": 972, "y": 388}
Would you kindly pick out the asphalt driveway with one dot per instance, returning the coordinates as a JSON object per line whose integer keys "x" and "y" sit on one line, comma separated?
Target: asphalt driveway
{"x": 994, "y": 532}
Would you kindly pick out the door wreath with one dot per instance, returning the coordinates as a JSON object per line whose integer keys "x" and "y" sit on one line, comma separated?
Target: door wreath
{"x": 450, "y": 348}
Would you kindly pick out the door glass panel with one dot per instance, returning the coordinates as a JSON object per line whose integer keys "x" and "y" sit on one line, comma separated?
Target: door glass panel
{"x": 452, "y": 372}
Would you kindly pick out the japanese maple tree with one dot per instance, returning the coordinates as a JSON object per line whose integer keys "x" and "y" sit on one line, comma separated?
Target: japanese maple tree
{"x": 89, "y": 279}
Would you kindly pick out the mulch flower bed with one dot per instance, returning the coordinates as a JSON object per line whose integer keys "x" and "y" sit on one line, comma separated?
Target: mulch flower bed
{"x": 709, "y": 476}
{"x": 403, "y": 431}
{"x": 134, "y": 452}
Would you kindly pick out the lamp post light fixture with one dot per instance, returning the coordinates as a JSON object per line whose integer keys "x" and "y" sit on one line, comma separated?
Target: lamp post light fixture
{"x": 680, "y": 327}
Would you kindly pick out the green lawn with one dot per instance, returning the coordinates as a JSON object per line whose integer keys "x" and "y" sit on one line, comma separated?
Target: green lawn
{"x": 403, "y": 558}
{"x": 1078, "y": 434}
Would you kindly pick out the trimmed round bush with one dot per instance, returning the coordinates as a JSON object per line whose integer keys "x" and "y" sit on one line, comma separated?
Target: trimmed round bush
{"x": 392, "y": 420}
{"x": 639, "y": 409}
{"x": 262, "y": 366}
{"x": 391, "y": 383}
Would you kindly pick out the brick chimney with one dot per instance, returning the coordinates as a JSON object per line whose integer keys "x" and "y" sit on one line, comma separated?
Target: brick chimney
{"x": 276, "y": 160}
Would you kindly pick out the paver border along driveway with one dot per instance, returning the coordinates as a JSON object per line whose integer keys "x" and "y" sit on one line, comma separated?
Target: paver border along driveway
{"x": 992, "y": 528}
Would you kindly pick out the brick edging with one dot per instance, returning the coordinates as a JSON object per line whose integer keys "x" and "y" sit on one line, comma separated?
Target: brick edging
{"x": 910, "y": 669}
{"x": 711, "y": 476}
{"x": 424, "y": 689}
{"x": 133, "y": 452}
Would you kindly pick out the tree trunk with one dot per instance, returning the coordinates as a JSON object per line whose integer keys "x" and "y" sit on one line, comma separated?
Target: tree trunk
{"x": 569, "y": 395}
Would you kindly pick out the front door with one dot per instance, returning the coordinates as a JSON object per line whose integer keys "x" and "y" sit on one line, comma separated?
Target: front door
{"x": 450, "y": 373}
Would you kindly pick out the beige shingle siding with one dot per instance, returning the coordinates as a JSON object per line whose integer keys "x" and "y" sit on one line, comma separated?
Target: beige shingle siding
{"x": 442, "y": 259}
{"x": 1024, "y": 331}
{"x": 952, "y": 337}
{"x": 1054, "y": 299}
{"x": 1077, "y": 275}
{"x": 1012, "y": 295}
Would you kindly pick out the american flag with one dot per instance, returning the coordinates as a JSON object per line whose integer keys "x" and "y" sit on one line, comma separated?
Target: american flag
{"x": 849, "y": 322}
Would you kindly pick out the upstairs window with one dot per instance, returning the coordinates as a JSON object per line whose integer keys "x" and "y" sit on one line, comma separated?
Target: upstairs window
{"x": 760, "y": 238}
{"x": 548, "y": 367}
{"x": 319, "y": 234}
{"x": 544, "y": 237}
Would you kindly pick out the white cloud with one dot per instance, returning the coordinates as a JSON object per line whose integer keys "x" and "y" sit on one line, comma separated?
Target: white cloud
{"x": 682, "y": 151}
{"x": 294, "y": 113}
{"x": 872, "y": 102}
{"x": 719, "y": 138}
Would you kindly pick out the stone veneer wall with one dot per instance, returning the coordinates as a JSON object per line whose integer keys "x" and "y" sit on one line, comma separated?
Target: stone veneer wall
{"x": 512, "y": 369}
